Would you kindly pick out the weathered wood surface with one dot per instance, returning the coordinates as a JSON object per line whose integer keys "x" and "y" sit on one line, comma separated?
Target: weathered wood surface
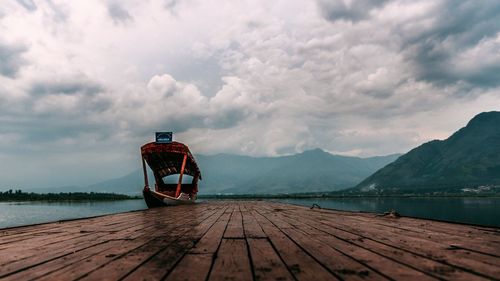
{"x": 249, "y": 240}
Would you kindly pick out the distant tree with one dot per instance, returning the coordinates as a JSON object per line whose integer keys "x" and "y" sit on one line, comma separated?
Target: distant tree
{"x": 18, "y": 195}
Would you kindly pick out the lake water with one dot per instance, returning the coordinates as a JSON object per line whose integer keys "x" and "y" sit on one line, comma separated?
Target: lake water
{"x": 483, "y": 211}
{"x": 24, "y": 213}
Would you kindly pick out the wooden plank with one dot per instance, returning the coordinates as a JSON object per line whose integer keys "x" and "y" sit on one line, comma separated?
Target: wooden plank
{"x": 267, "y": 265}
{"x": 210, "y": 242}
{"x": 435, "y": 231}
{"x": 481, "y": 265}
{"x": 232, "y": 262}
{"x": 192, "y": 267}
{"x": 235, "y": 226}
{"x": 424, "y": 264}
{"x": 120, "y": 267}
{"x": 298, "y": 262}
{"x": 417, "y": 246}
{"x": 57, "y": 264}
{"x": 255, "y": 240}
{"x": 336, "y": 261}
{"x": 27, "y": 258}
{"x": 128, "y": 257}
{"x": 60, "y": 250}
{"x": 481, "y": 239}
{"x": 81, "y": 269}
{"x": 251, "y": 227}
{"x": 159, "y": 265}
{"x": 487, "y": 246}
{"x": 55, "y": 230}
{"x": 70, "y": 228}
{"x": 46, "y": 239}
{"x": 155, "y": 268}
{"x": 30, "y": 230}
{"x": 196, "y": 264}
{"x": 389, "y": 268}
{"x": 451, "y": 229}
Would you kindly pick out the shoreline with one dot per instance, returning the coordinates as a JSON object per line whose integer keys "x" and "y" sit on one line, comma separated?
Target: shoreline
{"x": 20, "y": 196}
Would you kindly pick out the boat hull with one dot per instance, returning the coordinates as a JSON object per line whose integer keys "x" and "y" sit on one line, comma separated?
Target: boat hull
{"x": 154, "y": 199}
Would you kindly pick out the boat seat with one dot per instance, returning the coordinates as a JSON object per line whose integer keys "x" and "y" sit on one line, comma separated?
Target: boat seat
{"x": 185, "y": 188}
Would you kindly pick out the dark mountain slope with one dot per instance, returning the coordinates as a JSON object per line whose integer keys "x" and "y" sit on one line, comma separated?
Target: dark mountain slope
{"x": 469, "y": 158}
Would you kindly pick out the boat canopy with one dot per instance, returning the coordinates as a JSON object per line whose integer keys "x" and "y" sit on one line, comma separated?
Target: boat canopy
{"x": 167, "y": 158}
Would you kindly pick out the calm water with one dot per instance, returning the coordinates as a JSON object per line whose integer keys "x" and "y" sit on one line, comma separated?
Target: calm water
{"x": 23, "y": 213}
{"x": 483, "y": 211}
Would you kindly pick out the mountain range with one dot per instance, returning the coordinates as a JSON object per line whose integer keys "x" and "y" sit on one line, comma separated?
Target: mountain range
{"x": 470, "y": 158}
{"x": 310, "y": 171}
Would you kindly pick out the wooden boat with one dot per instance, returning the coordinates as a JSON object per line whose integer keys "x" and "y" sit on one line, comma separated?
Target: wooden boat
{"x": 165, "y": 159}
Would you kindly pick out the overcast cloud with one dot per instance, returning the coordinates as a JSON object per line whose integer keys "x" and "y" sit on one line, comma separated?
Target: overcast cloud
{"x": 84, "y": 83}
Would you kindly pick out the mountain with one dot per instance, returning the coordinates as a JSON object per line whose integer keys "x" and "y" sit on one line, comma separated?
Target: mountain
{"x": 310, "y": 171}
{"x": 470, "y": 158}
{"x": 130, "y": 184}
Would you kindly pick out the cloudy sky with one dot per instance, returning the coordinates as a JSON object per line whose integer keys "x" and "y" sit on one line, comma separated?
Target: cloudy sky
{"x": 84, "y": 83}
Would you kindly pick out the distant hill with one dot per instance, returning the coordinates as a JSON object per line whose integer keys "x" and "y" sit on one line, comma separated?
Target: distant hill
{"x": 310, "y": 171}
{"x": 468, "y": 159}
{"x": 130, "y": 184}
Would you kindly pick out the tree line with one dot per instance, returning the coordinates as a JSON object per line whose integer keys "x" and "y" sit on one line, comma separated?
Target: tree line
{"x": 19, "y": 195}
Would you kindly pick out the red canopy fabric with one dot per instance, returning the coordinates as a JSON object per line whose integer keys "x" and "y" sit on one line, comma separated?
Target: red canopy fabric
{"x": 166, "y": 159}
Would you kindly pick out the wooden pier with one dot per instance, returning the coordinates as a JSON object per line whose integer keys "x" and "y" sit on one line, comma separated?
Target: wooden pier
{"x": 249, "y": 240}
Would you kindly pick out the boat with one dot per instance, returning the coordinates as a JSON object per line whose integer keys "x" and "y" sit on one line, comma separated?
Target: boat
{"x": 165, "y": 158}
